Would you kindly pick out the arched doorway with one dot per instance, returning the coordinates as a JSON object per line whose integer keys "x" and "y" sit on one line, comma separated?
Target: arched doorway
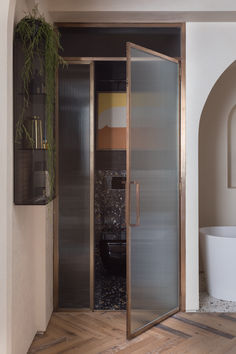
{"x": 217, "y": 167}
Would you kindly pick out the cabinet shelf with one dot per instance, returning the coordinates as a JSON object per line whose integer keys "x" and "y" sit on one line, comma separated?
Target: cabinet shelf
{"x": 31, "y": 165}
{"x": 114, "y": 80}
{"x": 28, "y": 149}
{"x": 33, "y": 94}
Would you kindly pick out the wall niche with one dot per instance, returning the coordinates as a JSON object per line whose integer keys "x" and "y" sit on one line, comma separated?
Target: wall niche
{"x": 231, "y": 135}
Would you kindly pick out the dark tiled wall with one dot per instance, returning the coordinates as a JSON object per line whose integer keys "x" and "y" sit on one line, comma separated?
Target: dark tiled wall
{"x": 111, "y": 42}
{"x": 109, "y": 203}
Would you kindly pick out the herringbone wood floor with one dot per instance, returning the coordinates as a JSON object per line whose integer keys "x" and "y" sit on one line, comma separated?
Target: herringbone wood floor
{"x": 104, "y": 332}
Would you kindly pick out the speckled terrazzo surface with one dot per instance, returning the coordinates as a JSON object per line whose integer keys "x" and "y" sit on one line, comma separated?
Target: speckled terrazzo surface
{"x": 110, "y": 289}
{"x": 208, "y": 303}
{"x": 109, "y": 205}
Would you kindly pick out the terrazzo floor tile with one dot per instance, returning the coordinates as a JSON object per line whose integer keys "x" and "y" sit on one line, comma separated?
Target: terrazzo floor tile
{"x": 110, "y": 289}
{"x": 208, "y": 303}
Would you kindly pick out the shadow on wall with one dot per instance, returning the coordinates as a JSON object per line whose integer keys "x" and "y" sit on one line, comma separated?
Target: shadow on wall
{"x": 217, "y": 148}
{"x": 231, "y": 136}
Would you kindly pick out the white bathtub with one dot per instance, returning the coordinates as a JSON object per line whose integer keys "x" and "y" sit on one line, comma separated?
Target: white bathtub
{"x": 218, "y": 253}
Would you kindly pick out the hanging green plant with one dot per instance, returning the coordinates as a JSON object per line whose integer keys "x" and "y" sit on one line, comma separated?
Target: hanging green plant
{"x": 40, "y": 41}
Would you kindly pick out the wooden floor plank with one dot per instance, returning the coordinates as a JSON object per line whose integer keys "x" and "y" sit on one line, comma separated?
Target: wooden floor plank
{"x": 105, "y": 333}
{"x": 189, "y": 330}
{"x": 200, "y": 345}
{"x": 204, "y": 326}
{"x": 228, "y": 317}
{"x": 213, "y": 320}
{"x": 50, "y": 344}
{"x": 173, "y": 331}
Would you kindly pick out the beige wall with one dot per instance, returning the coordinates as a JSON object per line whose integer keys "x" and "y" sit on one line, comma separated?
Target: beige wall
{"x": 32, "y": 273}
{"x": 25, "y": 232}
{"x": 211, "y": 49}
{"x": 140, "y": 5}
{"x": 217, "y": 202}
{"x": 32, "y": 259}
{"x": 6, "y": 172}
{"x": 23, "y": 6}
{"x": 43, "y": 253}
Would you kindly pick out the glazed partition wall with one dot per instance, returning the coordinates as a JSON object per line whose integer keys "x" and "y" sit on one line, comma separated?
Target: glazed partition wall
{"x": 74, "y": 185}
{"x": 153, "y": 187}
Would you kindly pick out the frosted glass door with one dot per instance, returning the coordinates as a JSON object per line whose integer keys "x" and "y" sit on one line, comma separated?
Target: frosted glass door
{"x": 152, "y": 188}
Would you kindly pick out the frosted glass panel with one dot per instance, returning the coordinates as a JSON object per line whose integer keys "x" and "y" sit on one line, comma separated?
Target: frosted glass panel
{"x": 154, "y": 151}
{"x": 74, "y": 186}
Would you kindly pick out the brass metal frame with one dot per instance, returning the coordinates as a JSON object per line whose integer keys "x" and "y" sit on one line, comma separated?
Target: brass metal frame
{"x": 182, "y": 189}
{"x": 92, "y": 142}
{"x": 131, "y": 334}
{"x": 56, "y": 209}
{"x": 93, "y": 59}
{"x": 182, "y": 164}
{"x": 151, "y": 52}
{"x": 151, "y": 324}
{"x": 127, "y": 195}
{"x": 75, "y": 59}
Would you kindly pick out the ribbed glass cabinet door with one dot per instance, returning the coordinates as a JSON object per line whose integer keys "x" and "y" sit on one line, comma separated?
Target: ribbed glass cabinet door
{"x": 152, "y": 188}
{"x": 74, "y": 186}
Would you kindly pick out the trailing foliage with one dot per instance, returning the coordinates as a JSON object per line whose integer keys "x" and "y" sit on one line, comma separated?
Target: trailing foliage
{"x": 40, "y": 42}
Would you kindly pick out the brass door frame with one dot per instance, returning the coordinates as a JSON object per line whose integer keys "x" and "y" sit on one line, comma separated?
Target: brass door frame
{"x": 131, "y": 335}
{"x": 91, "y": 198}
{"x": 182, "y": 137}
{"x": 92, "y": 142}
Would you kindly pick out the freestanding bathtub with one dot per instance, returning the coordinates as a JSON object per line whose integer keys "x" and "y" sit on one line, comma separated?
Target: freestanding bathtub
{"x": 218, "y": 252}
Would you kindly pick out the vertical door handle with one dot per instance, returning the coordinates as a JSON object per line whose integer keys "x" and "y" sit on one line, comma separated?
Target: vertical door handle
{"x": 137, "y": 194}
